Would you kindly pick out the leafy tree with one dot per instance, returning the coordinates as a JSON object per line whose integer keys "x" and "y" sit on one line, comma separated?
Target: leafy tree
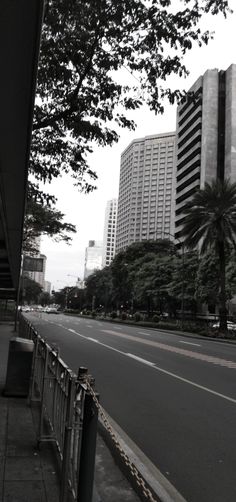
{"x": 43, "y": 220}
{"x": 208, "y": 278}
{"x": 152, "y": 279}
{"x": 210, "y": 223}
{"x": 67, "y": 297}
{"x": 99, "y": 290}
{"x": 183, "y": 285}
{"x": 121, "y": 280}
{"x": 44, "y": 298}
{"x": 231, "y": 274}
{"x": 79, "y": 98}
{"x": 59, "y": 297}
{"x": 127, "y": 264}
{"x": 30, "y": 290}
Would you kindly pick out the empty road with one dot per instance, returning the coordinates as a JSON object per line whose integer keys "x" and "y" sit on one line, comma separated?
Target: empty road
{"x": 175, "y": 396}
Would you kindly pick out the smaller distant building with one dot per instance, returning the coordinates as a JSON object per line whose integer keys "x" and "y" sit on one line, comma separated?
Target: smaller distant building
{"x": 109, "y": 236}
{"x": 93, "y": 257}
{"x": 47, "y": 287}
{"x": 80, "y": 283}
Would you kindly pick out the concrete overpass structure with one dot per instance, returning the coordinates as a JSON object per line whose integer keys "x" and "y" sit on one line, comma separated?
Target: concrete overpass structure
{"x": 20, "y": 30}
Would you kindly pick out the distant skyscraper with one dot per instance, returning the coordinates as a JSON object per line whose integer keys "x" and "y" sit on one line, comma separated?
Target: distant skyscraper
{"x": 205, "y": 137}
{"x": 145, "y": 190}
{"x": 93, "y": 257}
{"x": 109, "y": 236}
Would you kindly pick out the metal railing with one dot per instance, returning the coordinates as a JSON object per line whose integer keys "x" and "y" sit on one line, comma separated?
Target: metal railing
{"x": 68, "y": 415}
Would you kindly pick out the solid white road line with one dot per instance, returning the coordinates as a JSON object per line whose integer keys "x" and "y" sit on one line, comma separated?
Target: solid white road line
{"x": 190, "y": 382}
{"x": 140, "y": 359}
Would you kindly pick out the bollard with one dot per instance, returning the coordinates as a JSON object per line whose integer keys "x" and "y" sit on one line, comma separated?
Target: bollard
{"x": 88, "y": 450}
{"x": 19, "y": 365}
{"x": 82, "y": 373}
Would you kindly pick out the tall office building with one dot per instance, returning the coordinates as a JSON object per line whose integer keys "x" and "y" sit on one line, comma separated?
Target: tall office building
{"x": 145, "y": 190}
{"x": 109, "y": 235}
{"x": 38, "y": 275}
{"x": 205, "y": 137}
{"x": 93, "y": 257}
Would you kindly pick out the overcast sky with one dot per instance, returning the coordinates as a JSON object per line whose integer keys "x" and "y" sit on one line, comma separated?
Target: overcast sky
{"x": 65, "y": 263}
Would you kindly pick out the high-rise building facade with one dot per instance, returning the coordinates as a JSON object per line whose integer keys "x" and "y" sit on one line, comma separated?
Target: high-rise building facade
{"x": 93, "y": 257}
{"x": 109, "y": 235}
{"x": 37, "y": 275}
{"x": 205, "y": 137}
{"x": 145, "y": 190}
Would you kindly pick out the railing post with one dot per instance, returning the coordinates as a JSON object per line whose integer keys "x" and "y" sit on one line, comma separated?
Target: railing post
{"x": 33, "y": 371}
{"x": 88, "y": 449}
{"x": 40, "y": 434}
{"x": 67, "y": 441}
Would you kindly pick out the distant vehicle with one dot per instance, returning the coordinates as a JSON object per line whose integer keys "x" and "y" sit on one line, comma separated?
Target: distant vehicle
{"x": 51, "y": 310}
{"x": 25, "y": 308}
{"x": 230, "y": 325}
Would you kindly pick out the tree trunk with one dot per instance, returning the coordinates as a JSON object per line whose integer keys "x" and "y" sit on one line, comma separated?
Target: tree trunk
{"x": 148, "y": 306}
{"x": 222, "y": 295}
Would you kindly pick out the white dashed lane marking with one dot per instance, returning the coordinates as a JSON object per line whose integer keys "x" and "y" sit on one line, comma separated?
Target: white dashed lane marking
{"x": 145, "y": 334}
{"x": 190, "y": 343}
{"x": 157, "y": 368}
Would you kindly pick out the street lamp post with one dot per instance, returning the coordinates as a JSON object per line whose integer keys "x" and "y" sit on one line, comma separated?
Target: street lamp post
{"x": 163, "y": 233}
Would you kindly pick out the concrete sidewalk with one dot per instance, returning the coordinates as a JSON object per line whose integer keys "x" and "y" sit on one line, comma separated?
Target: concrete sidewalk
{"x": 31, "y": 475}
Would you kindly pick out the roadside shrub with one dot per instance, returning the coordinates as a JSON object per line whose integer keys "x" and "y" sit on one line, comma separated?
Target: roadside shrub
{"x": 155, "y": 318}
{"x": 113, "y": 314}
{"x": 88, "y": 312}
{"x": 137, "y": 317}
{"x": 123, "y": 316}
{"x": 168, "y": 325}
{"x": 94, "y": 314}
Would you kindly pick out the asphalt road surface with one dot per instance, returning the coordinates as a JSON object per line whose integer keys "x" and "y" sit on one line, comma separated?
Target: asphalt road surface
{"x": 175, "y": 396}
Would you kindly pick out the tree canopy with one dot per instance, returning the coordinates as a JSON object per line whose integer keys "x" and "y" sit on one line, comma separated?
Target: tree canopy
{"x": 40, "y": 220}
{"x": 210, "y": 222}
{"x": 80, "y": 98}
{"x": 30, "y": 290}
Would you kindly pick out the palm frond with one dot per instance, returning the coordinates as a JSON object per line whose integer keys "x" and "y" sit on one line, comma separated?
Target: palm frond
{"x": 210, "y": 216}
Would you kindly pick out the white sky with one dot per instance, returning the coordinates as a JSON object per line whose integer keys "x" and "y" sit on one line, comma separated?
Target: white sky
{"x": 65, "y": 263}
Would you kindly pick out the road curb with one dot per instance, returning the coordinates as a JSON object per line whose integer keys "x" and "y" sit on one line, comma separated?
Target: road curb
{"x": 161, "y": 489}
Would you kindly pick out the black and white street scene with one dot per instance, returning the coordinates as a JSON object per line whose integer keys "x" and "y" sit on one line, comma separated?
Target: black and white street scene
{"x": 117, "y": 251}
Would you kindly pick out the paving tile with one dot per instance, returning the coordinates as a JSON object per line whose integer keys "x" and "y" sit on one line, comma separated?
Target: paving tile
{"x": 3, "y": 440}
{"x": 20, "y": 413}
{"x": 52, "y": 491}
{"x": 110, "y": 482}
{"x": 16, "y": 447}
{"x": 2, "y": 465}
{"x": 22, "y": 491}
{"x": 24, "y": 468}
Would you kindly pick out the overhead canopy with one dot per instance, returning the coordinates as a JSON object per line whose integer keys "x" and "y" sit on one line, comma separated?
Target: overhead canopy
{"x": 20, "y": 29}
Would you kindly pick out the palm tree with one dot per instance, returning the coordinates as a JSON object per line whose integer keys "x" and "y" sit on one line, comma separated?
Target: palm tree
{"x": 210, "y": 222}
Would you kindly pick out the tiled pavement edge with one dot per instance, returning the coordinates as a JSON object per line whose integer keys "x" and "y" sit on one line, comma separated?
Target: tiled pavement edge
{"x": 26, "y": 474}
{"x": 31, "y": 475}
